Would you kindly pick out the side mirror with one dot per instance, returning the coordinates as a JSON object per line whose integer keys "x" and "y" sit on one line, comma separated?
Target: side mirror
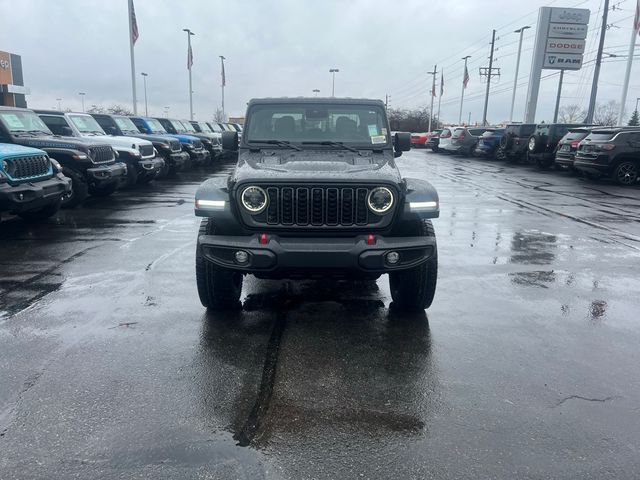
{"x": 402, "y": 143}
{"x": 230, "y": 141}
{"x": 66, "y": 132}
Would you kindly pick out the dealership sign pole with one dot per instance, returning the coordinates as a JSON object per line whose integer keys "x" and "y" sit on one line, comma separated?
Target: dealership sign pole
{"x": 632, "y": 45}
{"x": 560, "y": 44}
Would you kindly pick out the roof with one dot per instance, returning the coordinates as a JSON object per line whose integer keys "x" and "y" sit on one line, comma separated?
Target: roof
{"x": 312, "y": 100}
{"x": 615, "y": 129}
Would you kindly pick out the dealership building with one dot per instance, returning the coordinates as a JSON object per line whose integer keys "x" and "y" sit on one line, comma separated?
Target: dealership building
{"x": 12, "y": 90}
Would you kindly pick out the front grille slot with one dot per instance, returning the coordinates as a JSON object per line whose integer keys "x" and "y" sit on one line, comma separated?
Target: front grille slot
{"x": 317, "y": 206}
{"x": 146, "y": 150}
{"x": 28, "y": 167}
{"x": 101, "y": 154}
{"x": 175, "y": 146}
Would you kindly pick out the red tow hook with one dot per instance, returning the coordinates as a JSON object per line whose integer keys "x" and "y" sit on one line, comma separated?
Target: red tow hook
{"x": 371, "y": 240}
{"x": 263, "y": 239}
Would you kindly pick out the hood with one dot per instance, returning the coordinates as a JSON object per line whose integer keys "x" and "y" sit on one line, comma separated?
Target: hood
{"x": 118, "y": 141}
{"x": 8, "y": 150}
{"x": 72, "y": 143}
{"x": 316, "y": 166}
{"x": 153, "y": 138}
{"x": 184, "y": 138}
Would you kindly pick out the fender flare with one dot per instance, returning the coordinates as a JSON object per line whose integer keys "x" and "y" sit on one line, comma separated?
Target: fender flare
{"x": 421, "y": 200}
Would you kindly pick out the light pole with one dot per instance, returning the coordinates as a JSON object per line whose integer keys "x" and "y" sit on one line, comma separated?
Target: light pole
{"x": 637, "y": 100}
{"x": 333, "y": 72}
{"x": 82, "y": 94}
{"x": 316, "y": 91}
{"x": 223, "y": 83}
{"x": 59, "y": 104}
{"x": 189, "y": 64}
{"x": 146, "y": 106}
{"x": 515, "y": 80}
{"x": 465, "y": 79}
{"x": 166, "y": 111}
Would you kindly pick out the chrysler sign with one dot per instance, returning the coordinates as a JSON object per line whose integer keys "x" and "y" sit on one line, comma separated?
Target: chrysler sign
{"x": 568, "y": 30}
{"x": 564, "y": 45}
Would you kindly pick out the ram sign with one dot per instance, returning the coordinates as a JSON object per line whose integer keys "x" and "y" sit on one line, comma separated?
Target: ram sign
{"x": 562, "y": 61}
{"x": 564, "y": 45}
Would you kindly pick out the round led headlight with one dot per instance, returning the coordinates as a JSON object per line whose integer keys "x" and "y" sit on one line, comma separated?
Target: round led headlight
{"x": 380, "y": 200}
{"x": 254, "y": 199}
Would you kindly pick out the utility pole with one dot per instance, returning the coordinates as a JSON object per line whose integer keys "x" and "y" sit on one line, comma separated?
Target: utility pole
{"x": 627, "y": 74}
{"x": 82, "y": 94}
{"x": 386, "y": 101}
{"x": 189, "y": 65}
{"x": 333, "y": 72}
{"x": 59, "y": 100}
{"x": 440, "y": 96}
{"x": 596, "y": 72}
{"x": 433, "y": 90}
{"x": 515, "y": 80}
{"x": 489, "y": 74}
{"x": 555, "y": 113}
{"x": 465, "y": 79}
{"x": 223, "y": 83}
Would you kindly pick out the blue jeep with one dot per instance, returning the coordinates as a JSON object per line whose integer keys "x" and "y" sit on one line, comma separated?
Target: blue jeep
{"x": 31, "y": 184}
{"x": 190, "y": 144}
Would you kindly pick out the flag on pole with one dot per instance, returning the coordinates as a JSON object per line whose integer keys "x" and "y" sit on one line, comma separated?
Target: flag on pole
{"x": 442, "y": 80}
{"x": 224, "y": 78}
{"x": 189, "y": 58}
{"x": 134, "y": 24}
{"x": 636, "y": 22}
{"x": 465, "y": 81}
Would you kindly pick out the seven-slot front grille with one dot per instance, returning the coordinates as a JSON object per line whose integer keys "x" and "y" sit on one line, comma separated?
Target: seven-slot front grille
{"x": 197, "y": 145}
{"x": 28, "y": 167}
{"x": 175, "y": 146}
{"x": 146, "y": 150}
{"x": 317, "y": 206}
{"x": 101, "y": 154}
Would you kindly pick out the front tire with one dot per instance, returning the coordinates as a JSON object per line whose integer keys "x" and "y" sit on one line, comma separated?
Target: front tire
{"x": 218, "y": 288}
{"x": 414, "y": 289}
{"x": 79, "y": 188}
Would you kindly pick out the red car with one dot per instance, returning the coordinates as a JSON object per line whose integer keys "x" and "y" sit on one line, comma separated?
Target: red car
{"x": 419, "y": 139}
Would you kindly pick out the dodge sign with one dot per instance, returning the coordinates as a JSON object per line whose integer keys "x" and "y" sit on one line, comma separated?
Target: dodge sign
{"x": 564, "y": 45}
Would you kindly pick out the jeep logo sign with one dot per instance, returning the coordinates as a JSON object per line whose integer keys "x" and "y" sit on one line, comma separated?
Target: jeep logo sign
{"x": 562, "y": 61}
{"x": 564, "y": 45}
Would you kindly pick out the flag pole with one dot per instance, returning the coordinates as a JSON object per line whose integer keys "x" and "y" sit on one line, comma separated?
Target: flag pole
{"x": 133, "y": 60}
{"x": 627, "y": 75}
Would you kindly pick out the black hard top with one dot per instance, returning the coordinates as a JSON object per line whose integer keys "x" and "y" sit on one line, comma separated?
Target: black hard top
{"x": 316, "y": 100}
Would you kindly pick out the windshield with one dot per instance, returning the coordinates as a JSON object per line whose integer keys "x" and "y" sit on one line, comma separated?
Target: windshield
{"x": 178, "y": 126}
{"x": 215, "y": 127}
{"x": 125, "y": 124}
{"x": 155, "y": 126}
{"x": 18, "y": 121}
{"x": 86, "y": 124}
{"x": 356, "y": 124}
{"x": 187, "y": 127}
{"x": 204, "y": 127}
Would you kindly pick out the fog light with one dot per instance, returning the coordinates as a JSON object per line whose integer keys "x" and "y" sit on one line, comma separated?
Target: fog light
{"x": 242, "y": 256}
{"x": 392, "y": 258}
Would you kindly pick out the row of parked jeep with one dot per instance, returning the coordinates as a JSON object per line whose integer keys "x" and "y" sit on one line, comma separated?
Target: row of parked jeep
{"x": 51, "y": 159}
{"x": 592, "y": 151}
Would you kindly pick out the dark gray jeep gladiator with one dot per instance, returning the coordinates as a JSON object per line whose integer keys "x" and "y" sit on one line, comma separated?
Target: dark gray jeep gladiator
{"x": 316, "y": 193}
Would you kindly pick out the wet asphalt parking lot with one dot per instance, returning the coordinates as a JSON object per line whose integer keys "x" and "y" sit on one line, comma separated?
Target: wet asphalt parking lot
{"x": 526, "y": 365}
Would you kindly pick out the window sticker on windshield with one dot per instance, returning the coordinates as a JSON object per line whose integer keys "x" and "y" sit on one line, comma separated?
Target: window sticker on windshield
{"x": 13, "y": 121}
{"x": 79, "y": 121}
{"x": 384, "y": 132}
{"x": 373, "y": 130}
{"x": 378, "y": 139}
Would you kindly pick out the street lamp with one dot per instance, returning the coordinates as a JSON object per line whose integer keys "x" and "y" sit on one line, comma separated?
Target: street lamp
{"x": 223, "y": 82}
{"x": 189, "y": 63}
{"x": 146, "y": 106}
{"x": 166, "y": 111}
{"x": 59, "y": 104}
{"x": 82, "y": 94}
{"x": 515, "y": 80}
{"x": 316, "y": 91}
{"x": 333, "y": 71}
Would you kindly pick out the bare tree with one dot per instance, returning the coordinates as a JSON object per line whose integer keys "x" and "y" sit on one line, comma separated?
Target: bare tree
{"x": 410, "y": 120}
{"x": 119, "y": 110}
{"x": 571, "y": 114}
{"x": 606, "y": 113}
{"x": 219, "y": 115}
{"x": 95, "y": 109}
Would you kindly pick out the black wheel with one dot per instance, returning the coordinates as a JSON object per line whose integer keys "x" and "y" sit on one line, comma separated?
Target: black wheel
{"x": 500, "y": 154}
{"x": 132, "y": 175}
{"x": 506, "y": 141}
{"x": 41, "y": 214}
{"x": 164, "y": 171}
{"x": 79, "y": 188}
{"x": 626, "y": 173}
{"x": 435, "y": 149}
{"x": 414, "y": 289}
{"x": 103, "y": 191}
{"x": 218, "y": 289}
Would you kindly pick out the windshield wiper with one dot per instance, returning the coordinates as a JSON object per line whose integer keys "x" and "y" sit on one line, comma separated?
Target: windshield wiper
{"x": 38, "y": 132}
{"x": 280, "y": 143}
{"x": 333, "y": 144}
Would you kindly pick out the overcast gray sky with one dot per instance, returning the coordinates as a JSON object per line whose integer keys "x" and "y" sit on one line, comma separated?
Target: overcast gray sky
{"x": 286, "y": 47}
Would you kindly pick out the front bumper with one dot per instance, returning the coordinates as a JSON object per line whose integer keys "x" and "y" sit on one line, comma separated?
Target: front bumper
{"x": 33, "y": 195}
{"x": 177, "y": 160}
{"x": 198, "y": 156}
{"x": 150, "y": 167}
{"x": 107, "y": 174}
{"x": 312, "y": 256}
